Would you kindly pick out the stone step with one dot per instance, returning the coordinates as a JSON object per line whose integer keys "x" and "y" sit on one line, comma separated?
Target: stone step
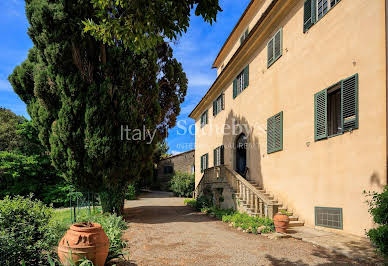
{"x": 293, "y": 218}
{"x": 295, "y": 223}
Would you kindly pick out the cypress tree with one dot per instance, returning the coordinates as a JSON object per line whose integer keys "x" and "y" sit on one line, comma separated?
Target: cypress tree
{"x": 80, "y": 92}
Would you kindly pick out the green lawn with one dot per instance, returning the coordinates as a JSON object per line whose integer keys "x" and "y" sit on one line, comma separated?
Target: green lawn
{"x": 63, "y": 216}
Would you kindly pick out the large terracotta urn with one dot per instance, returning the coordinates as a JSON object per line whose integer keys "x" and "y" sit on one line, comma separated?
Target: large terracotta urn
{"x": 281, "y": 222}
{"x": 84, "y": 240}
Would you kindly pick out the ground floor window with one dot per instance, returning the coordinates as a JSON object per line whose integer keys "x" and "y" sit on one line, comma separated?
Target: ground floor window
{"x": 328, "y": 217}
{"x": 219, "y": 156}
{"x": 204, "y": 162}
{"x": 168, "y": 169}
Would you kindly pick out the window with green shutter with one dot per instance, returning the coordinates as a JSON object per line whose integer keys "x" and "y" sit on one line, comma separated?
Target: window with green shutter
{"x": 219, "y": 155}
{"x": 218, "y": 104}
{"x": 204, "y": 162}
{"x": 241, "y": 82}
{"x": 204, "y": 119}
{"x": 275, "y": 48}
{"x": 336, "y": 109}
{"x": 314, "y": 10}
{"x": 275, "y": 133}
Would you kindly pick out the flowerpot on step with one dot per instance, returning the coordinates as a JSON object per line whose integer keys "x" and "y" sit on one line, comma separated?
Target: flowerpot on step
{"x": 281, "y": 222}
{"x": 84, "y": 240}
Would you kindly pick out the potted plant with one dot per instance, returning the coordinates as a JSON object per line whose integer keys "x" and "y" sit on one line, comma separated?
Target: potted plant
{"x": 84, "y": 241}
{"x": 281, "y": 221}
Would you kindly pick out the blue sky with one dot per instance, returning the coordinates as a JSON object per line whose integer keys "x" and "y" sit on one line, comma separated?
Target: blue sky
{"x": 196, "y": 50}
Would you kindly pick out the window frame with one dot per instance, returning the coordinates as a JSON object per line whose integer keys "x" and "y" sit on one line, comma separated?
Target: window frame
{"x": 321, "y": 136}
{"x": 218, "y": 104}
{"x": 218, "y": 154}
{"x": 204, "y": 114}
{"x": 331, "y": 89}
{"x": 341, "y": 220}
{"x": 204, "y": 162}
{"x": 272, "y": 39}
{"x": 244, "y": 36}
{"x": 329, "y": 7}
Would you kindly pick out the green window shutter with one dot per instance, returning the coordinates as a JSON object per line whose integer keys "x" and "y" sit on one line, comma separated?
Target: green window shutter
{"x": 223, "y": 101}
{"x": 270, "y": 47}
{"x": 234, "y": 88}
{"x": 215, "y": 157}
{"x": 214, "y": 108}
{"x": 349, "y": 89}
{"x": 241, "y": 39}
{"x": 275, "y": 133}
{"x": 270, "y": 134}
{"x": 278, "y": 43}
{"x": 222, "y": 154}
{"x": 246, "y": 76}
{"x": 202, "y": 164}
{"x": 320, "y": 117}
{"x": 201, "y": 120}
{"x": 206, "y": 117}
{"x": 207, "y": 161}
{"x": 309, "y": 14}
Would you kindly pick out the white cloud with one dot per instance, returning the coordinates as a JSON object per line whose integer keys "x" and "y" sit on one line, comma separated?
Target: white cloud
{"x": 200, "y": 80}
{"x": 5, "y": 85}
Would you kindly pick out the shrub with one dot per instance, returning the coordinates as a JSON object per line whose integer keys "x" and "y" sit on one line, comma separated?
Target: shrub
{"x": 26, "y": 233}
{"x": 113, "y": 226}
{"x": 378, "y": 207}
{"x": 131, "y": 193}
{"x": 182, "y": 184}
{"x": 246, "y": 222}
{"x": 200, "y": 203}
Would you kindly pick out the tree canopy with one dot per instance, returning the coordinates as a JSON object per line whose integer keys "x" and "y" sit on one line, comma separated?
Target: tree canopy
{"x": 143, "y": 24}
{"x": 81, "y": 93}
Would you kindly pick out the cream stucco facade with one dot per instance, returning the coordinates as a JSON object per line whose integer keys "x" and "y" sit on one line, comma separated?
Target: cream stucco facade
{"x": 333, "y": 172}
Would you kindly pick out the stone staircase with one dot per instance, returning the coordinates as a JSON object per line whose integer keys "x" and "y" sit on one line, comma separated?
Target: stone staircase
{"x": 294, "y": 220}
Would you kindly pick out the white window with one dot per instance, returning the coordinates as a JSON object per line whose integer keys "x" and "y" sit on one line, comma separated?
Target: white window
{"x": 323, "y": 6}
{"x": 204, "y": 119}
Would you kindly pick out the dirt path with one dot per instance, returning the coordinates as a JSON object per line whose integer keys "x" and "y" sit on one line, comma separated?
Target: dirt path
{"x": 162, "y": 231}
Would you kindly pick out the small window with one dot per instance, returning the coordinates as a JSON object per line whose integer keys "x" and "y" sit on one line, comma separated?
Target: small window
{"x": 204, "y": 119}
{"x": 336, "y": 109}
{"x": 219, "y": 156}
{"x": 323, "y": 6}
{"x": 218, "y": 104}
{"x": 275, "y": 133}
{"x": 168, "y": 169}
{"x": 328, "y": 217}
{"x": 314, "y": 10}
{"x": 334, "y": 124}
{"x": 204, "y": 162}
{"x": 241, "y": 82}
{"x": 244, "y": 36}
{"x": 275, "y": 48}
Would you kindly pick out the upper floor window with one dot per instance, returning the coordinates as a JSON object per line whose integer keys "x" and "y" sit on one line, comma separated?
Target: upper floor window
{"x": 275, "y": 47}
{"x": 275, "y": 133}
{"x": 204, "y": 162}
{"x": 204, "y": 119}
{"x": 314, "y": 10}
{"x": 218, "y": 104}
{"x": 241, "y": 82}
{"x": 336, "y": 108}
{"x": 244, "y": 36}
{"x": 219, "y": 155}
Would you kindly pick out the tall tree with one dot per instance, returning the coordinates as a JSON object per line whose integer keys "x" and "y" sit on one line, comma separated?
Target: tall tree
{"x": 142, "y": 24}
{"x": 81, "y": 94}
{"x": 8, "y": 125}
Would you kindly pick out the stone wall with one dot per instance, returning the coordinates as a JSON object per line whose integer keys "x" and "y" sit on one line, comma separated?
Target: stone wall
{"x": 183, "y": 162}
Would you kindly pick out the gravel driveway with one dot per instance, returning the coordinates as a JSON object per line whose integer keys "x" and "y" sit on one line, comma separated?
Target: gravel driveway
{"x": 162, "y": 231}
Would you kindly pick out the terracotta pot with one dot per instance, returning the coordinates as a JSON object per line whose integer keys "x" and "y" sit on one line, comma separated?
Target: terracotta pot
{"x": 84, "y": 240}
{"x": 281, "y": 222}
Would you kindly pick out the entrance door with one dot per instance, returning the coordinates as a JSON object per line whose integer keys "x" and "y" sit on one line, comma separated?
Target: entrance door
{"x": 241, "y": 154}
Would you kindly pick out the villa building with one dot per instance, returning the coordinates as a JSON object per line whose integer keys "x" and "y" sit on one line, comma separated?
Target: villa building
{"x": 297, "y": 117}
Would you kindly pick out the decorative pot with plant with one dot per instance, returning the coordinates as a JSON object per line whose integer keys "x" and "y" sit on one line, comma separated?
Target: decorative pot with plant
{"x": 281, "y": 221}
{"x": 84, "y": 241}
